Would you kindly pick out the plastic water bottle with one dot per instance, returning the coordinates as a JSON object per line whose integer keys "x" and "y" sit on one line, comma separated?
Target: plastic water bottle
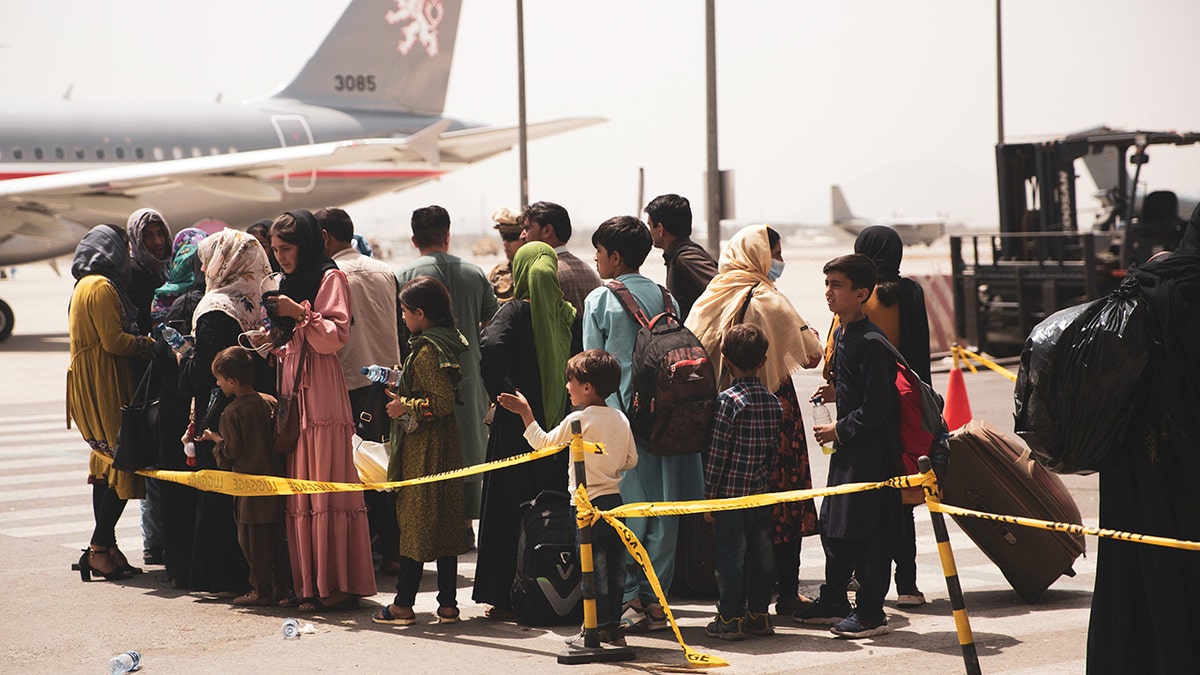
{"x": 124, "y": 663}
{"x": 291, "y": 629}
{"x": 822, "y": 417}
{"x": 382, "y": 374}
{"x": 179, "y": 344}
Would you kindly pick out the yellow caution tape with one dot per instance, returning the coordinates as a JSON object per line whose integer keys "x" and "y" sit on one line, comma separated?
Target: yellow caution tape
{"x": 1070, "y": 528}
{"x": 966, "y": 355}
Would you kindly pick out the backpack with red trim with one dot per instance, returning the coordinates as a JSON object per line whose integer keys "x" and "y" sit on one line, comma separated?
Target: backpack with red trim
{"x": 673, "y": 383}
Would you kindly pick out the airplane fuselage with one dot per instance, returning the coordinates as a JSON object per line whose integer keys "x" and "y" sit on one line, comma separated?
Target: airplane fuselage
{"x": 70, "y": 136}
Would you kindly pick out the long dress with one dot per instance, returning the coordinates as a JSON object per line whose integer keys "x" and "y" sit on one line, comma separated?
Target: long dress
{"x": 328, "y": 538}
{"x": 217, "y": 562}
{"x": 431, "y": 515}
{"x": 793, "y": 520}
{"x": 100, "y": 378}
{"x": 508, "y": 363}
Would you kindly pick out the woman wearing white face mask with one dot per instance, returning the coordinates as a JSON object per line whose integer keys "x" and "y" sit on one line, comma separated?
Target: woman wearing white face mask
{"x": 744, "y": 292}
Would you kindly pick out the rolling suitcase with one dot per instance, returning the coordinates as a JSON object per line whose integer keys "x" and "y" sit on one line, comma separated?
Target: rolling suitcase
{"x": 991, "y": 472}
{"x": 695, "y": 558}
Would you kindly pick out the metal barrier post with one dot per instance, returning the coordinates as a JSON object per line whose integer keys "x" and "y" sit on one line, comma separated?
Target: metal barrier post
{"x": 962, "y": 625}
{"x": 591, "y": 651}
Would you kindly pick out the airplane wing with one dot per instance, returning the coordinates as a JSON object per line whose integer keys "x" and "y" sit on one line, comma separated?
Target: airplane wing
{"x": 475, "y": 144}
{"x": 114, "y": 190}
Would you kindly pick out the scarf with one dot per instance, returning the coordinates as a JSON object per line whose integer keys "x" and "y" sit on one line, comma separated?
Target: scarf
{"x": 136, "y": 226}
{"x": 311, "y": 264}
{"x": 884, "y": 247}
{"x": 104, "y": 251}
{"x": 234, "y": 269}
{"x": 447, "y": 343}
{"x": 182, "y": 276}
{"x": 745, "y": 263}
{"x": 535, "y": 278}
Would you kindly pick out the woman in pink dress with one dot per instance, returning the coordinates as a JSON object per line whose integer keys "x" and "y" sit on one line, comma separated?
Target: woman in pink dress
{"x": 327, "y": 533}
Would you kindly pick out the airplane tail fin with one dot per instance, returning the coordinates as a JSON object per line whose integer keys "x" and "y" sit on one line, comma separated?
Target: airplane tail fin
{"x": 382, "y": 55}
{"x": 841, "y": 210}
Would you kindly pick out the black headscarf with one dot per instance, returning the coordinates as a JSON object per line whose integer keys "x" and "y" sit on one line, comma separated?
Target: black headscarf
{"x": 105, "y": 251}
{"x": 884, "y": 247}
{"x": 311, "y": 265}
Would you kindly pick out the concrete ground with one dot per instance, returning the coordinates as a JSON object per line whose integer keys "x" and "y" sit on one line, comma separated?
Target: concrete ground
{"x": 53, "y": 623}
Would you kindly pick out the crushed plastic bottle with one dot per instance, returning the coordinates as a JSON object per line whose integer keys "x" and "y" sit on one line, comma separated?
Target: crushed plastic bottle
{"x": 822, "y": 417}
{"x": 126, "y": 662}
{"x": 290, "y": 629}
{"x": 381, "y": 374}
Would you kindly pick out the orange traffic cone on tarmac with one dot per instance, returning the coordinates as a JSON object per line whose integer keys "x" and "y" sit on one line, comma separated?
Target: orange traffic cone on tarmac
{"x": 957, "y": 411}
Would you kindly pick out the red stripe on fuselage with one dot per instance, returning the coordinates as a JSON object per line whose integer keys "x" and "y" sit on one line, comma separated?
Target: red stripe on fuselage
{"x": 363, "y": 174}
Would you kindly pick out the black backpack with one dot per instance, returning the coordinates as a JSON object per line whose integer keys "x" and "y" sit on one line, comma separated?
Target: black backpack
{"x": 546, "y": 590}
{"x": 674, "y": 383}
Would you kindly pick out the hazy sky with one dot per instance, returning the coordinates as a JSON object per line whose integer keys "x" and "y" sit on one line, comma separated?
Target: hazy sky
{"x": 895, "y": 101}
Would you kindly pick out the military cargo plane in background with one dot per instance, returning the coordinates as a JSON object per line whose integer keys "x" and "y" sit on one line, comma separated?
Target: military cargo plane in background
{"x": 363, "y": 117}
{"x": 911, "y": 230}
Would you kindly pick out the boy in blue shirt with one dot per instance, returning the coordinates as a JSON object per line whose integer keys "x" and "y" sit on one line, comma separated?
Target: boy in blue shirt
{"x": 856, "y": 529}
{"x": 622, "y": 244}
{"x": 741, "y": 454}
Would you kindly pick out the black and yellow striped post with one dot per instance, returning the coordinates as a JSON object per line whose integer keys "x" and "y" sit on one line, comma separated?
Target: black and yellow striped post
{"x": 962, "y": 625}
{"x": 591, "y": 651}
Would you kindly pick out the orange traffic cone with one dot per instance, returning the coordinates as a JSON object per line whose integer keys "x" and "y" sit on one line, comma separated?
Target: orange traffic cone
{"x": 957, "y": 411}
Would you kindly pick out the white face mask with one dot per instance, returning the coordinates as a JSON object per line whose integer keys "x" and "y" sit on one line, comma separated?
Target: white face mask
{"x": 776, "y": 270}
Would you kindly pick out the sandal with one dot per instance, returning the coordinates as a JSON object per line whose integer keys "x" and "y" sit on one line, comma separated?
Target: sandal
{"x": 252, "y": 599}
{"x": 499, "y": 614}
{"x": 288, "y": 601}
{"x": 451, "y": 618}
{"x": 385, "y": 616}
{"x": 315, "y": 605}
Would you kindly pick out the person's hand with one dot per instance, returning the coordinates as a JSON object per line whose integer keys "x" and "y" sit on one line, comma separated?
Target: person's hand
{"x": 515, "y": 403}
{"x": 710, "y": 518}
{"x": 285, "y": 306}
{"x": 826, "y": 392}
{"x": 394, "y": 407}
{"x": 825, "y": 434}
{"x": 210, "y": 435}
{"x": 815, "y": 359}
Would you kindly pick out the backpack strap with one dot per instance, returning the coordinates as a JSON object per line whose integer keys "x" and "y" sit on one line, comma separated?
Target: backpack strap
{"x": 741, "y": 317}
{"x": 882, "y": 339}
{"x": 629, "y": 303}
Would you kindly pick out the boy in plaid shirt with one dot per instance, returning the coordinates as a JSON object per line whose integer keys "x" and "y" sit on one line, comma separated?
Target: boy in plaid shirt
{"x": 741, "y": 453}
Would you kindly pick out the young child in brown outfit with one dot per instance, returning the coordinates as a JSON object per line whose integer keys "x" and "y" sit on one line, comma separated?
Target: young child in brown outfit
{"x": 246, "y": 444}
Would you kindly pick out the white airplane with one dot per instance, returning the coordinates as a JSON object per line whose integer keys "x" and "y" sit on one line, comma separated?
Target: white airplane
{"x": 911, "y": 230}
{"x": 363, "y": 117}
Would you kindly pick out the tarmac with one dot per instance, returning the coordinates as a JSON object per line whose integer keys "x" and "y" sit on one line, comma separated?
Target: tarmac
{"x": 56, "y": 624}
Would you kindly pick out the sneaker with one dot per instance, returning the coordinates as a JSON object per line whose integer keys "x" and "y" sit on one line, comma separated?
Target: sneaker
{"x": 757, "y": 624}
{"x": 634, "y": 619}
{"x": 855, "y": 628}
{"x": 725, "y": 630}
{"x": 822, "y": 612}
{"x": 656, "y": 617}
{"x": 611, "y": 636}
{"x": 910, "y": 600}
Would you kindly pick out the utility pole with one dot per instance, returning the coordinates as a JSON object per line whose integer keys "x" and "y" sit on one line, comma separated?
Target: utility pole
{"x": 712, "y": 177}
{"x": 521, "y": 131}
{"x": 999, "y": 80}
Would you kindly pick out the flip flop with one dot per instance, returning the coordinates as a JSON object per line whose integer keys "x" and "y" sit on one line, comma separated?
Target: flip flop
{"x": 315, "y": 605}
{"x": 385, "y": 616}
{"x": 442, "y": 618}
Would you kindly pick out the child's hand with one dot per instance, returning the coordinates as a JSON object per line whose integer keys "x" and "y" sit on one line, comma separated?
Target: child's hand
{"x": 394, "y": 407}
{"x": 710, "y": 518}
{"x": 514, "y": 403}
{"x": 210, "y": 435}
{"x": 825, "y": 434}
{"x": 826, "y": 392}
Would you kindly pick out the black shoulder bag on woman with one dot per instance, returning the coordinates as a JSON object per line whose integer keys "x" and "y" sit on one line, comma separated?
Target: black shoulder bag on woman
{"x": 137, "y": 441}
{"x": 287, "y": 413}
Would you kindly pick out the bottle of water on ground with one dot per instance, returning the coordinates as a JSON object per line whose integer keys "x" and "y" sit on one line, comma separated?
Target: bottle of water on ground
{"x": 291, "y": 629}
{"x": 124, "y": 663}
{"x": 822, "y": 417}
{"x": 382, "y": 374}
{"x": 179, "y": 344}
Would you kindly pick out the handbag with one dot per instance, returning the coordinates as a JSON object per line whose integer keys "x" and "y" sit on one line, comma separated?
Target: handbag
{"x": 137, "y": 440}
{"x": 287, "y": 413}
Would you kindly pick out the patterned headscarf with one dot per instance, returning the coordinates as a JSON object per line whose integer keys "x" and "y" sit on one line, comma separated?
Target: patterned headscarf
{"x": 104, "y": 251}
{"x": 136, "y": 226}
{"x": 182, "y": 276}
{"x": 234, "y": 268}
{"x": 535, "y": 278}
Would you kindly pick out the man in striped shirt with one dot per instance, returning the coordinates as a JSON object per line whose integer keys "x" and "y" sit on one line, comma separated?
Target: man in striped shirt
{"x": 741, "y": 453}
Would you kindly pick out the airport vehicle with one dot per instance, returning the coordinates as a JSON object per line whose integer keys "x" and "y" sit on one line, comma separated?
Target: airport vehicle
{"x": 1042, "y": 260}
{"x": 911, "y": 230}
{"x": 363, "y": 117}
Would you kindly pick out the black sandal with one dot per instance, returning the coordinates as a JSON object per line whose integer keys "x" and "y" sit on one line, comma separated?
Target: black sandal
{"x": 86, "y": 570}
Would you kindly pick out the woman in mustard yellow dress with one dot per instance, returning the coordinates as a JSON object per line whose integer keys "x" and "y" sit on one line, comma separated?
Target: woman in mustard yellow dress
{"x": 104, "y": 348}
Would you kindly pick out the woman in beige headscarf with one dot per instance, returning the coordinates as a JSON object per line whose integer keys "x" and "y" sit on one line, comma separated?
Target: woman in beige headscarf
{"x": 744, "y": 292}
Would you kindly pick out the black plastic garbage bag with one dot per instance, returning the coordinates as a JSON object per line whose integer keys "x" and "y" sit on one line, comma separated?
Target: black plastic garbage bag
{"x": 1079, "y": 374}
